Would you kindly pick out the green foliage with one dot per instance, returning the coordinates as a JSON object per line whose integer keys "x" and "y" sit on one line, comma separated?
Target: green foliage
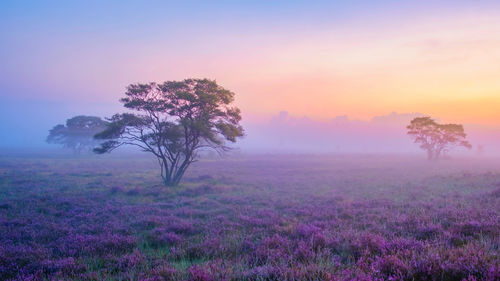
{"x": 78, "y": 133}
{"x": 437, "y": 138}
{"x": 173, "y": 121}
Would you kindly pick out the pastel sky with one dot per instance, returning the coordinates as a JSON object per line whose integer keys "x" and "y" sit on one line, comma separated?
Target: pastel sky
{"x": 316, "y": 58}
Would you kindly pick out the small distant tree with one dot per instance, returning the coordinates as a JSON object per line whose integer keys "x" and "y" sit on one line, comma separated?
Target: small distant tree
{"x": 436, "y": 138}
{"x": 78, "y": 133}
{"x": 173, "y": 121}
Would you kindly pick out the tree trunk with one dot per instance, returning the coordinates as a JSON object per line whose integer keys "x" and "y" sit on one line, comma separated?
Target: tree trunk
{"x": 168, "y": 183}
{"x": 166, "y": 173}
{"x": 170, "y": 173}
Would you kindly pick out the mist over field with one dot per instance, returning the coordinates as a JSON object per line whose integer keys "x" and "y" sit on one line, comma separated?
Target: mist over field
{"x": 279, "y": 133}
{"x": 250, "y": 140}
{"x": 386, "y": 134}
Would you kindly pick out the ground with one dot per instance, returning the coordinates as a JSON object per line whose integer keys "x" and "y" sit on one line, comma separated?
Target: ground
{"x": 281, "y": 217}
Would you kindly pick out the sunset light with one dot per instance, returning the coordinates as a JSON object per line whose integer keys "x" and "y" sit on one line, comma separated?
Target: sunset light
{"x": 250, "y": 140}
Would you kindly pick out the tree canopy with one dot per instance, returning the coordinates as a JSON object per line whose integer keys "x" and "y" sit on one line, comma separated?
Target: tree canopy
{"x": 436, "y": 138}
{"x": 78, "y": 133}
{"x": 173, "y": 121}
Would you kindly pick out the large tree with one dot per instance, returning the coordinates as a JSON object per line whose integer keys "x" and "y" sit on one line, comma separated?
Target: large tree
{"x": 78, "y": 133}
{"x": 436, "y": 138}
{"x": 173, "y": 121}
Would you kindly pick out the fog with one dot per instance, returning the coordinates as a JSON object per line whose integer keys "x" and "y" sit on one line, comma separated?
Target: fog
{"x": 25, "y": 125}
{"x": 381, "y": 134}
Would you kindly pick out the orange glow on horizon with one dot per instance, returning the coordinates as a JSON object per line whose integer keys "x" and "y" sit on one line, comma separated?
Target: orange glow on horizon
{"x": 448, "y": 69}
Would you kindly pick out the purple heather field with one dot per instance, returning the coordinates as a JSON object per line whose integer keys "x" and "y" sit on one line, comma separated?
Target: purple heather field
{"x": 274, "y": 217}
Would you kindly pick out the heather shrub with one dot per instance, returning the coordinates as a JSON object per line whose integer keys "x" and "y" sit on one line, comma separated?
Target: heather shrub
{"x": 467, "y": 229}
{"x": 21, "y": 258}
{"x": 130, "y": 261}
{"x": 428, "y": 232}
{"x": 272, "y": 249}
{"x": 453, "y": 264}
{"x": 208, "y": 248}
{"x": 319, "y": 241}
{"x": 198, "y": 273}
{"x": 116, "y": 189}
{"x": 194, "y": 252}
{"x": 288, "y": 224}
{"x": 306, "y": 230}
{"x": 133, "y": 192}
{"x": 470, "y": 260}
{"x": 159, "y": 237}
{"x": 264, "y": 272}
{"x": 303, "y": 253}
{"x": 164, "y": 273}
{"x": 97, "y": 245}
{"x": 149, "y": 222}
{"x": 212, "y": 270}
{"x": 205, "y": 177}
{"x": 64, "y": 267}
{"x": 247, "y": 247}
{"x": 200, "y": 190}
{"x": 305, "y": 272}
{"x": 474, "y": 228}
{"x": 5, "y": 206}
{"x": 181, "y": 227}
{"x": 493, "y": 272}
{"x": 368, "y": 244}
{"x": 255, "y": 221}
{"x": 391, "y": 267}
{"x": 405, "y": 245}
{"x": 496, "y": 193}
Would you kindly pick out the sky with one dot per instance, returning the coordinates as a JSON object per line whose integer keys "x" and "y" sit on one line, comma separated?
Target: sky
{"x": 318, "y": 59}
